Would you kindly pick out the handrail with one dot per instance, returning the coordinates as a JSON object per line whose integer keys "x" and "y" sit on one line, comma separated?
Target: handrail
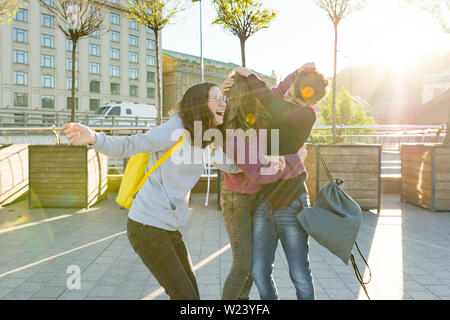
{"x": 318, "y": 127}
{"x": 51, "y": 129}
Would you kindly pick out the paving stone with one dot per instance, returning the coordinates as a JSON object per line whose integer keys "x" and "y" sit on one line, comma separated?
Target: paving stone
{"x": 103, "y": 291}
{"x": 112, "y": 270}
{"x": 14, "y": 295}
{"x": 73, "y": 295}
{"x": 128, "y": 295}
{"x": 422, "y": 295}
{"x": 50, "y": 292}
{"x": 5, "y": 291}
{"x": 442, "y": 290}
{"x": 28, "y": 286}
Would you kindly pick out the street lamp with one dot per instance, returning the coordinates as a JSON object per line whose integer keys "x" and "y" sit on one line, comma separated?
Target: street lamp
{"x": 201, "y": 43}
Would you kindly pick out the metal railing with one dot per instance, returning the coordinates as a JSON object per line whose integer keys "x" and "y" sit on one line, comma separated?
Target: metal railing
{"x": 41, "y": 119}
{"x": 389, "y": 136}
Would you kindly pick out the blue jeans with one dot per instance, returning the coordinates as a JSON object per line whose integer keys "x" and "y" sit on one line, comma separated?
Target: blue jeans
{"x": 269, "y": 226}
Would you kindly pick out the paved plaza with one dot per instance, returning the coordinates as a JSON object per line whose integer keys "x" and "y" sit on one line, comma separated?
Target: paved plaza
{"x": 408, "y": 250}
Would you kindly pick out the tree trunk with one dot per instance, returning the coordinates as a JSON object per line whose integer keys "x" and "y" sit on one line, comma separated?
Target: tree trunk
{"x": 74, "y": 48}
{"x": 159, "y": 83}
{"x": 334, "y": 84}
{"x": 242, "y": 40}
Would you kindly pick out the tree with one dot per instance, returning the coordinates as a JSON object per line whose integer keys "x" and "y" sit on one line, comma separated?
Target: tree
{"x": 438, "y": 9}
{"x": 337, "y": 10}
{"x": 243, "y": 18}
{"x": 77, "y": 19}
{"x": 155, "y": 15}
{"x": 347, "y": 113}
{"x": 8, "y": 9}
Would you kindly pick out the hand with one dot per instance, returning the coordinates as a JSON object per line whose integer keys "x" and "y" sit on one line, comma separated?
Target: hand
{"x": 243, "y": 71}
{"x": 302, "y": 153}
{"x": 226, "y": 85}
{"x": 78, "y": 134}
{"x": 309, "y": 66}
{"x": 277, "y": 163}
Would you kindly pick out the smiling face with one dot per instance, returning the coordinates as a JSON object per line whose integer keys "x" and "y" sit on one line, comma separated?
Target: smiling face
{"x": 216, "y": 104}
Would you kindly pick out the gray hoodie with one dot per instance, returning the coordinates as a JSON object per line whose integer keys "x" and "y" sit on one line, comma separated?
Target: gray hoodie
{"x": 163, "y": 200}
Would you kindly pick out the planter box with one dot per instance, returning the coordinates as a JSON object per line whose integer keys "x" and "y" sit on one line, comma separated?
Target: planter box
{"x": 426, "y": 175}
{"x": 13, "y": 172}
{"x": 66, "y": 176}
{"x": 358, "y": 165}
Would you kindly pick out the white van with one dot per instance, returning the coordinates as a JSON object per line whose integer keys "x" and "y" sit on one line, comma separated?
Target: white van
{"x": 123, "y": 113}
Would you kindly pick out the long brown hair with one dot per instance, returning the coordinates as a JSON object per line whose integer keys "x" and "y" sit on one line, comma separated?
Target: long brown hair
{"x": 244, "y": 111}
{"x": 194, "y": 107}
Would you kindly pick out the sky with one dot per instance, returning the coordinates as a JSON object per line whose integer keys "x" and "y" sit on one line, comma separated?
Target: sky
{"x": 383, "y": 32}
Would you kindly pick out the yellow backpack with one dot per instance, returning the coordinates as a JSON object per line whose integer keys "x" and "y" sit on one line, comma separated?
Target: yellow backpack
{"x": 134, "y": 176}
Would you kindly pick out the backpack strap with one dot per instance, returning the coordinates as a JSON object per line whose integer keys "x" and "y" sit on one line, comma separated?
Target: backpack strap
{"x": 358, "y": 274}
{"x": 158, "y": 163}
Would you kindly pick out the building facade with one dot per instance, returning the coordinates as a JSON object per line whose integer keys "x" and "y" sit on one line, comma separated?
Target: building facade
{"x": 181, "y": 71}
{"x": 114, "y": 64}
{"x": 434, "y": 84}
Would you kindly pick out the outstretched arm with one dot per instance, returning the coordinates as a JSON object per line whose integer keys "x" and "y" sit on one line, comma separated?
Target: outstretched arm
{"x": 155, "y": 139}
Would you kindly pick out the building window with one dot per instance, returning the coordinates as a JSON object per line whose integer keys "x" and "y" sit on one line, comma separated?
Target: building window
{"x": 20, "y": 56}
{"x": 150, "y": 44}
{"x": 132, "y": 24}
{"x": 22, "y": 15}
{"x": 20, "y": 35}
{"x": 115, "y": 88}
{"x": 47, "y": 20}
{"x": 114, "y": 18}
{"x": 150, "y": 60}
{"x": 94, "y": 104}
{"x": 94, "y": 67}
{"x": 69, "y": 84}
{"x": 94, "y": 49}
{"x": 133, "y": 57}
{"x": 114, "y": 71}
{"x": 94, "y": 86}
{"x": 47, "y": 61}
{"x": 133, "y": 41}
{"x": 133, "y": 91}
{"x": 151, "y": 93}
{"x": 21, "y": 78}
{"x": 133, "y": 74}
{"x": 96, "y": 34}
{"x": 48, "y": 102}
{"x": 150, "y": 31}
{"x": 114, "y": 54}
{"x": 20, "y": 99}
{"x": 48, "y": 81}
{"x": 69, "y": 64}
{"x": 69, "y": 103}
{"x": 115, "y": 36}
{"x": 49, "y": 2}
{"x": 47, "y": 40}
{"x": 150, "y": 76}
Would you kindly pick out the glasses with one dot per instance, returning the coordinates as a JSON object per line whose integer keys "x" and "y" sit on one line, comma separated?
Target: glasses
{"x": 219, "y": 99}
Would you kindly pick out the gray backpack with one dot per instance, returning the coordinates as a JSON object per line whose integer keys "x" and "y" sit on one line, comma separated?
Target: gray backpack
{"x": 334, "y": 221}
